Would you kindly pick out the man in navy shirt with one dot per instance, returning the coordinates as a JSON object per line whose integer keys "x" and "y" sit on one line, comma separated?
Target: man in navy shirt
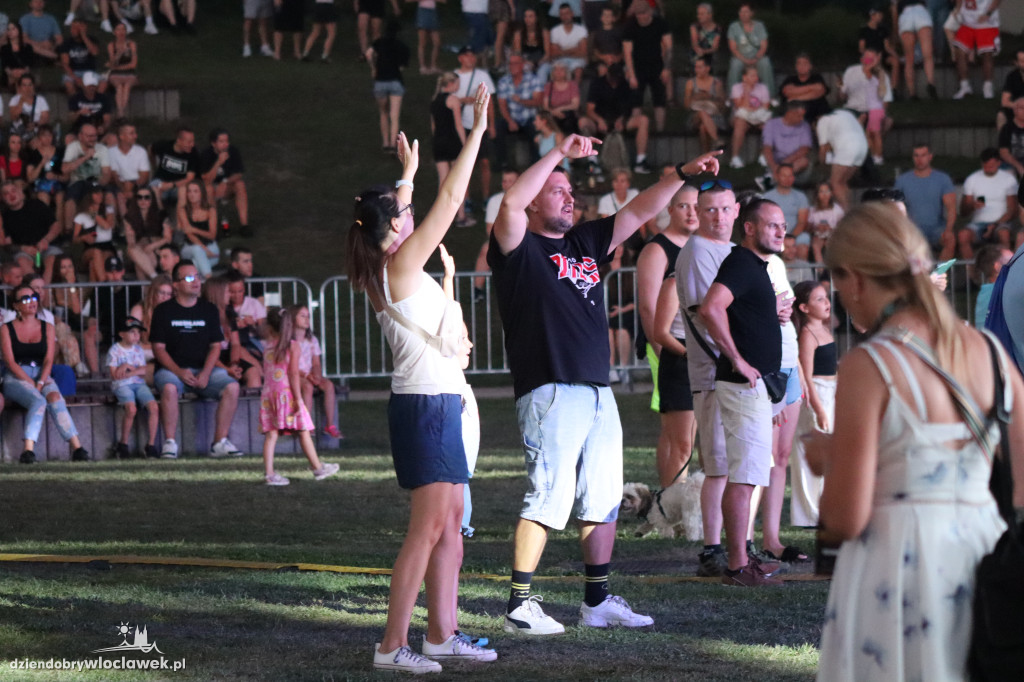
{"x": 743, "y": 318}
{"x": 553, "y": 312}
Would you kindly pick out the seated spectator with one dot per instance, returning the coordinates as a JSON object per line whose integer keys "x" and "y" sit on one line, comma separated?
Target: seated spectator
{"x": 89, "y": 105}
{"x": 78, "y": 57}
{"x": 562, "y": 99}
{"x": 28, "y": 346}
{"x": 843, "y": 146}
{"x": 875, "y": 36}
{"x": 179, "y": 13}
{"x": 127, "y": 364}
{"x": 1011, "y": 139}
{"x": 238, "y": 362}
{"x": 787, "y": 139}
{"x": 647, "y": 53}
{"x": 1013, "y": 89}
{"x": 915, "y": 28}
{"x": 68, "y": 307}
{"x": 87, "y": 165}
{"x": 94, "y": 230}
{"x": 11, "y": 275}
{"x": 866, "y": 88}
{"x": 27, "y": 109}
{"x": 748, "y": 45}
{"x": 146, "y": 230}
{"x": 798, "y": 268}
{"x": 569, "y": 42}
{"x": 519, "y": 95}
{"x": 930, "y": 197}
{"x": 122, "y": 61}
{"x": 311, "y": 371}
{"x": 793, "y": 203}
{"x": 221, "y": 168}
{"x": 167, "y": 256}
{"x": 989, "y": 204}
{"x": 123, "y": 10}
{"x": 751, "y": 108}
{"x": 705, "y": 36}
{"x": 69, "y": 353}
{"x": 14, "y": 163}
{"x": 548, "y": 136}
{"x": 41, "y": 31}
{"x": 608, "y": 110}
{"x": 186, "y": 336}
{"x": 129, "y": 165}
{"x": 16, "y": 55}
{"x": 158, "y": 291}
{"x": 977, "y": 38}
{"x": 50, "y": 180}
{"x": 704, "y": 97}
{"x": 247, "y": 313}
{"x": 175, "y": 164}
{"x": 806, "y": 85}
{"x": 533, "y": 41}
{"x": 197, "y": 219}
{"x": 990, "y": 260}
{"x": 241, "y": 261}
{"x": 823, "y": 217}
{"x": 113, "y": 302}
{"x": 621, "y": 193}
{"x": 606, "y": 38}
{"x": 28, "y": 230}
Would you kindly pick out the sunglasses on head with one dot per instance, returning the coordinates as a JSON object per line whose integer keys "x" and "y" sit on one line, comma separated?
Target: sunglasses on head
{"x": 711, "y": 184}
{"x": 28, "y": 298}
{"x": 188, "y": 278}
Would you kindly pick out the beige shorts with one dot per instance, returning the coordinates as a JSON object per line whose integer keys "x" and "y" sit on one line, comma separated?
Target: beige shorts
{"x": 713, "y": 457}
{"x": 747, "y": 423}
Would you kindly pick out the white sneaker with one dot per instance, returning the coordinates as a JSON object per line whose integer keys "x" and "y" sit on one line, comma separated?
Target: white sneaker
{"x": 736, "y": 162}
{"x": 266, "y": 51}
{"x": 151, "y": 28}
{"x": 762, "y": 161}
{"x": 456, "y": 647}
{"x": 965, "y": 89}
{"x": 170, "y": 449}
{"x": 403, "y": 659}
{"x": 106, "y": 27}
{"x": 987, "y": 90}
{"x": 128, "y": 27}
{"x": 275, "y": 479}
{"x": 613, "y": 611}
{"x": 246, "y": 50}
{"x": 69, "y": 18}
{"x": 529, "y": 619}
{"x": 326, "y": 469}
{"x": 225, "y": 448}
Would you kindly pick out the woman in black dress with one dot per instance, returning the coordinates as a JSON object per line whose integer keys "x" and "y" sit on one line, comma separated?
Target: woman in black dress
{"x": 446, "y": 128}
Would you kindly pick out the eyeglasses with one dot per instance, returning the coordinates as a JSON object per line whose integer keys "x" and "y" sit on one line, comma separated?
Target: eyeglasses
{"x": 409, "y": 208}
{"x": 28, "y": 298}
{"x": 711, "y": 184}
{"x": 188, "y": 278}
{"x": 144, "y": 197}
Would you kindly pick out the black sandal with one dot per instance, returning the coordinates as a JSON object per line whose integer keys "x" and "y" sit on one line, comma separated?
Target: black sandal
{"x": 790, "y": 555}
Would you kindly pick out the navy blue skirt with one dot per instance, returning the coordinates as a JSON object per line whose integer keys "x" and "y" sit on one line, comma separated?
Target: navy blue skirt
{"x": 426, "y": 439}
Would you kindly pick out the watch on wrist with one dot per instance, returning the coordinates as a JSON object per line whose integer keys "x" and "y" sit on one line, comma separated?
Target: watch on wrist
{"x": 687, "y": 179}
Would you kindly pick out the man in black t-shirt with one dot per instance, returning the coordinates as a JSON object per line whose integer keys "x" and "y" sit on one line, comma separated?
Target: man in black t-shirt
{"x": 743, "y": 317}
{"x": 90, "y": 106}
{"x": 609, "y": 109}
{"x": 186, "y": 335}
{"x": 556, "y": 335}
{"x": 78, "y": 56}
{"x": 1013, "y": 89}
{"x": 647, "y": 49}
{"x": 175, "y": 164}
{"x": 806, "y": 86}
{"x": 27, "y": 229}
{"x": 221, "y": 168}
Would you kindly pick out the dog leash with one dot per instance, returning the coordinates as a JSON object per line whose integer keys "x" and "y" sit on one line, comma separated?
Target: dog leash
{"x": 657, "y": 495}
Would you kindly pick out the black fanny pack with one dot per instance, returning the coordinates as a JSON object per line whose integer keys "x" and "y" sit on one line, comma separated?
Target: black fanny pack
{"x": 775, "y": 383}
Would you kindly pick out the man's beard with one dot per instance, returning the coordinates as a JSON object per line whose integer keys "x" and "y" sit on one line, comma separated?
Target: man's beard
{"x": 558, "y": 225}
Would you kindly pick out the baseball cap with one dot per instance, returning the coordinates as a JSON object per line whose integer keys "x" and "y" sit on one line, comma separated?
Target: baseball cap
{"x": 466, "y": 49}
{"x": 90, "y": 78}
{"x": 113, "y": 264}
{"x": 130, "y": 323}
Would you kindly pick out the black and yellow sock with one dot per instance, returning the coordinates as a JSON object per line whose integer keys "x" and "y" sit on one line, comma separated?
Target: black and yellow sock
{"x": 596, "y": 585}
{"x": 520, "y": 589}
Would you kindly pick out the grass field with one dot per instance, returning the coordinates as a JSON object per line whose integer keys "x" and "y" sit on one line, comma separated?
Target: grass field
{"x": 233, "y": 624}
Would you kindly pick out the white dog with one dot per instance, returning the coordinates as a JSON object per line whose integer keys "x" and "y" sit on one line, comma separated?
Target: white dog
{"x": 672, "y": 511}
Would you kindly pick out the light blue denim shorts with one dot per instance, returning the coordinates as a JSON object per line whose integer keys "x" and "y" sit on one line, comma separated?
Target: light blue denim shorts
{"x": 572, "y": 442}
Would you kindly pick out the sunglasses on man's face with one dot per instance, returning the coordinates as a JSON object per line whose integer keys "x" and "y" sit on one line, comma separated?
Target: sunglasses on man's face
{"x": 188, "y": 278}
{"x": 28, "y": 298}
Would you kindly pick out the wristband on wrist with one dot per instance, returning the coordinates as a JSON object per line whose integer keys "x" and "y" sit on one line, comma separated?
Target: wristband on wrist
{"x": 687, "y": 179}
{"x": 404, "y": 183}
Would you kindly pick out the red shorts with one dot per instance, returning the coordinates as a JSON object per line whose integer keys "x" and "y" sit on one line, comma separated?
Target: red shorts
{"x": 980, "y": 40}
